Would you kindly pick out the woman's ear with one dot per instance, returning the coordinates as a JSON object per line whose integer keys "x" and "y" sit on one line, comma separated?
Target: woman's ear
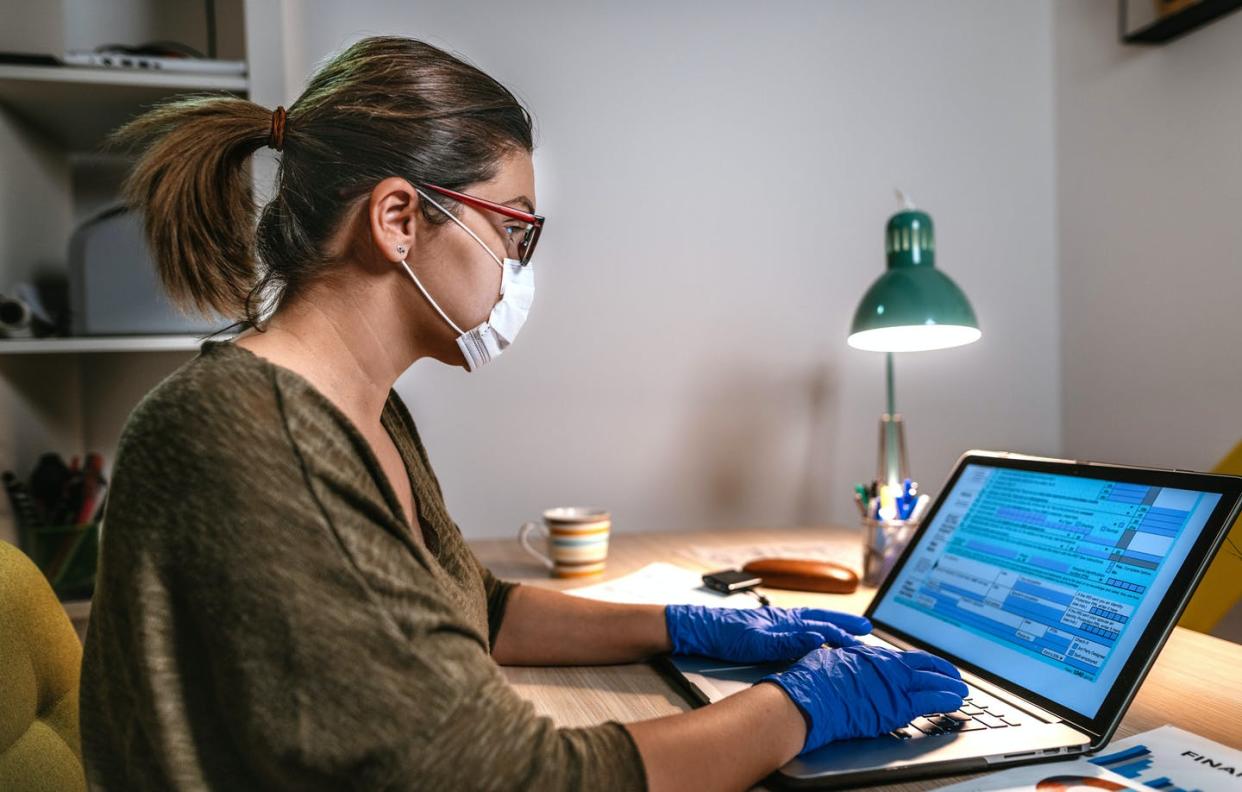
{"x": 392, "y": 213}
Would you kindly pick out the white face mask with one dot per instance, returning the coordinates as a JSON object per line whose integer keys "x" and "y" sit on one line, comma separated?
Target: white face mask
{"x": 517, "y": 291}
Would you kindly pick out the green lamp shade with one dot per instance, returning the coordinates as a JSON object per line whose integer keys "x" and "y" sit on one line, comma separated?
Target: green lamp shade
{"x": 913, "y": 306}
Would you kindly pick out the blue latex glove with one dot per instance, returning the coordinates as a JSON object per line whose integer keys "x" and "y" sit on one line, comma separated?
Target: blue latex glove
{"x": 866, "y": 691}
{"x": 758, "y": 635}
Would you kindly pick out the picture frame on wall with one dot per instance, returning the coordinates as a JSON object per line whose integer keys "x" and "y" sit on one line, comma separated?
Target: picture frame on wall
{"x": 1160, "y": 21}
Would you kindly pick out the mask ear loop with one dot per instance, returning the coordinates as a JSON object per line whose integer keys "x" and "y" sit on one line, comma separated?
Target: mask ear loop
{"x": 434, "y": 304}
{"x": 464, "y": 227}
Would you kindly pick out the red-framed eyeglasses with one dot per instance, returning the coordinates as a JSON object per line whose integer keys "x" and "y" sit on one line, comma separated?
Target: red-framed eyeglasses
{"x": 520, "y": 240}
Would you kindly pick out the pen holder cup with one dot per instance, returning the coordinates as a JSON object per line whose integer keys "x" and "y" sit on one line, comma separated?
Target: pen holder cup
{"x": 67, "y": 555}
{"x": 883, "y": 541}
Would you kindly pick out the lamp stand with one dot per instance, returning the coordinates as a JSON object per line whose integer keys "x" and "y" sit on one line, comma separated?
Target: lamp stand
{"x": 893, "y": 467}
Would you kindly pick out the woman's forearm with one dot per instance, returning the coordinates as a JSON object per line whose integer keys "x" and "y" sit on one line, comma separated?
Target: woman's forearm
{"x": 731, "y": 744}
{"x": 727, "y": 745}
{"x": 543, "y": 627}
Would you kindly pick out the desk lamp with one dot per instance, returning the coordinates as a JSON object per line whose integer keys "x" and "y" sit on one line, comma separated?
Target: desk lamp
{"x": 912, "y": 307}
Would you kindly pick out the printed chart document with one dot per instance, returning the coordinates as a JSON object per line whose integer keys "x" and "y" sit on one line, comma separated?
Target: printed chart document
{"x": 1168, "y": 759}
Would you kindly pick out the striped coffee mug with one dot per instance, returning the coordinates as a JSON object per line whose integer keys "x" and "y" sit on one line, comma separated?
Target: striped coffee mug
{"x": 577, "y": 540}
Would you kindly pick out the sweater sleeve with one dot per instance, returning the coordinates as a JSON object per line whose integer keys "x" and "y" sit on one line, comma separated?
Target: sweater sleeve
{"x": 498, "y": 593}
{"x": 262, "y": 641}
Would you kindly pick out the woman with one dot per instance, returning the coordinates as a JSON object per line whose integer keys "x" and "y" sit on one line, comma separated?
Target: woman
{"x": 283, "y": 601}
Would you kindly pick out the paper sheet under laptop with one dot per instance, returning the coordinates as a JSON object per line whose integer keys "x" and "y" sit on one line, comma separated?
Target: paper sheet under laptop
{"x": 662, "y": 584}
{"x": 665, "y": 584}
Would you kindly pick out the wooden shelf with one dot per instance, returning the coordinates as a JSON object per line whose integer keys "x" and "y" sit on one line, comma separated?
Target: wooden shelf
{"x": 151, "y": 343}
{"x": 77, "y": 107}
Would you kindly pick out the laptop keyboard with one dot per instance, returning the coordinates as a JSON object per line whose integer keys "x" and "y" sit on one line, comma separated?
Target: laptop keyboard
{"x": 979, "y": 712}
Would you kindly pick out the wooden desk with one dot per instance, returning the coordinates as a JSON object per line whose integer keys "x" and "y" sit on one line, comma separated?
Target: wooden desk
{"x": 1195, "y": 684}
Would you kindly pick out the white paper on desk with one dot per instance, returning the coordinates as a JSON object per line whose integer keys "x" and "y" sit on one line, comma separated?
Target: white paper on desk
{"x": 845, "y": 550}
{"x": 662, "y": 584}
{"x": 1185, "y": 760}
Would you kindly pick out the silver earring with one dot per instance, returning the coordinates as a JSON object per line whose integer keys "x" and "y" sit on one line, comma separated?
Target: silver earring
{"x": 400, "y": 250}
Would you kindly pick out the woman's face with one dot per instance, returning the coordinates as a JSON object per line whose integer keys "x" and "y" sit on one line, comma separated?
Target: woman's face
{"x": 459, "y": 274}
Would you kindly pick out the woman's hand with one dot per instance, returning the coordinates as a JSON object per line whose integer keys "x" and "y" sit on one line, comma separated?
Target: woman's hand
{"x": 758, "y": 635}
{"x": 866, "y": 691}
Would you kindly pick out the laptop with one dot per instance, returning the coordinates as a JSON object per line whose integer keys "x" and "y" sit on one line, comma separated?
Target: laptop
{"x": 1051, "y": 584}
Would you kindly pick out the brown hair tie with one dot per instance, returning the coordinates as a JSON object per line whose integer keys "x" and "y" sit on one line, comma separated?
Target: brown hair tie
{"x": 276, "y": 135}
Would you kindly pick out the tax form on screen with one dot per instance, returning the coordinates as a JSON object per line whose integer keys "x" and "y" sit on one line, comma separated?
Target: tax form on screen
{"x": 1047, "y": 580}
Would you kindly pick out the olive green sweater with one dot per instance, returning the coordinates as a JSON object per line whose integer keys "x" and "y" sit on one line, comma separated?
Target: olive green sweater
{"x": 265, "y": 619}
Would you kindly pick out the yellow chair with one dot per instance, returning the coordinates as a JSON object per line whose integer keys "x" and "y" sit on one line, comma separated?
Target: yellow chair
{"x": 1221, "y": 588}
{"x": 40, "y": 660}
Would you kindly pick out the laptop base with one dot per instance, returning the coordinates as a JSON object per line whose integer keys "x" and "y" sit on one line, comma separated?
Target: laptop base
{"x": 883, "y": 759}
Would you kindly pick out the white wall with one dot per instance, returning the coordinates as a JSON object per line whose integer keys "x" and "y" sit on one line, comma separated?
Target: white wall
{"x": 1149, "y": 159}
{"x": 717, "y": 177}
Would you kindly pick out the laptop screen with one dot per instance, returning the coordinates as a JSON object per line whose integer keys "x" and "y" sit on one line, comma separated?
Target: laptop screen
{"x": 1048, "y": 579}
